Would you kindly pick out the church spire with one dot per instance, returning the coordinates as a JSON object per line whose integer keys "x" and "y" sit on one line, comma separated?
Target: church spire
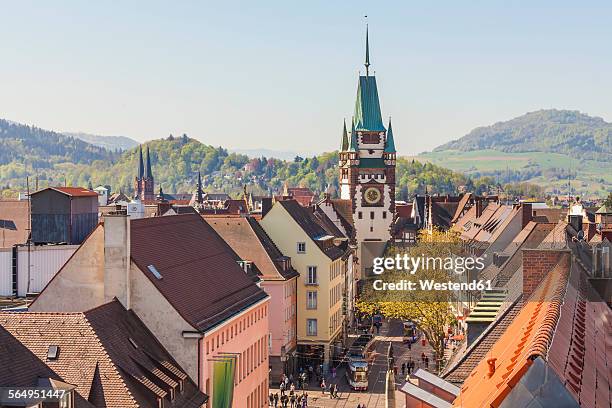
{"x": 367, "y": 56}
{"x": 353, "y": 147}
{"x": 390, "y": 145}
{"x": 148, "y": 173}
{"x": 344, "y": 146}
{"x": 140, "y": 165}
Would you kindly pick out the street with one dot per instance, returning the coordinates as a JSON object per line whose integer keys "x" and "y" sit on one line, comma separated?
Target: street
{"x": 391, "y": 331}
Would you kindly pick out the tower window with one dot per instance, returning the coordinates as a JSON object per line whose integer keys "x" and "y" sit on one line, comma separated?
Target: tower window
{"x": 384, "y": 215}
{"x": 360, "y": 215}
{"x": 371, "y": 215}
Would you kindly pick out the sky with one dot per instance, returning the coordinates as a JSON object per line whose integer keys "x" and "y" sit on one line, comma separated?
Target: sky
{"x": 282, "y": 75}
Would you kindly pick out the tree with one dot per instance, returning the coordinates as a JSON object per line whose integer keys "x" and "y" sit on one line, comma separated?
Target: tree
{"x": 430, "y": 310}
{"x": 608, "y": 201}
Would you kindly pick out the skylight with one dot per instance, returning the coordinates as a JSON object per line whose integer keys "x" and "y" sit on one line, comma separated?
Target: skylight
{"x": 154, "y": 271}
{"x": 53, "y": 352}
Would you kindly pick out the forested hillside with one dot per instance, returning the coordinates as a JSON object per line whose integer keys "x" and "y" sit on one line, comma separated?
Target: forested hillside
{"x": 176, "y": 161}
{"x": 549, "y": 131}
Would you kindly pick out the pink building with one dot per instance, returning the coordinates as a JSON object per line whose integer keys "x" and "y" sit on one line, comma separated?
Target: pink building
{"x": 261, "y": 256}
{"x": 188, "y": 287}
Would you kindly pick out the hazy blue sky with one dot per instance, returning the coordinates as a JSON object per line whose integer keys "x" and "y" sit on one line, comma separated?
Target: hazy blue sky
{"x": 282, "y": 75}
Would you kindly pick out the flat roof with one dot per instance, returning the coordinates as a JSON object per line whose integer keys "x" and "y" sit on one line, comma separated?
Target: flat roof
{"x": 422, "y": 395}
{"x": 437, "y": 381}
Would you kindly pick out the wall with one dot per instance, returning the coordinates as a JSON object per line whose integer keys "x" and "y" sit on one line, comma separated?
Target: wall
{"x": 245, "y": 334}
{"x": 50, "y": 216}
{"x": 79, "y": 285}
{"x": 6, "y": 272}
{"x": 45, "y": 262}
{"x": 381, "y": 226}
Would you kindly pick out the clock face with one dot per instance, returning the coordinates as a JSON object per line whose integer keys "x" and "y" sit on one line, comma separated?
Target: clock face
{"x": 372, "y": 195}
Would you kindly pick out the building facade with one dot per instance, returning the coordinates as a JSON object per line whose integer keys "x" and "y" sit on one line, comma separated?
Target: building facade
{"x": 322, "y": 266}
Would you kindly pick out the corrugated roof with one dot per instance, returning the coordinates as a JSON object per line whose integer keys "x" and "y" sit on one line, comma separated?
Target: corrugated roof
{"x": 201, "y": 275}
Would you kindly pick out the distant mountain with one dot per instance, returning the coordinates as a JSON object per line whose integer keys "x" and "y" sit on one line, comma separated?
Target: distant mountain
{"x": 38, "y": 148}
{"x": 549, "y": 131}
{"x": 54, "y": 159}
{"x": 108, "y": 142}
{"x": 277, "y": 154}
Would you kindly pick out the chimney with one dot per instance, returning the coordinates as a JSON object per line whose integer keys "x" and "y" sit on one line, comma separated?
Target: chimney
{"x": 526, "y": 214}
{"x": 117, "y": 258}
{"x": 478, "y": 206}
{"x": 536, "y": 265}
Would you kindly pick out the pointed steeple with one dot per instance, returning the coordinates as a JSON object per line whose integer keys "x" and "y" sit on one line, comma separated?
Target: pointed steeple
{"x": 367, "y": 56}
{"x": 390, "y": 145}
{"x": 140, "y": 165}
{"x": 344, "y": 138}
{"x": 367, "y": 106}
{"x": 353, "y": 147}
{"x": 148, "y": 173}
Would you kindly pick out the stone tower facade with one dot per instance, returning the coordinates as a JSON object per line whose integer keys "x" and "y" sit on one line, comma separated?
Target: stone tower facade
{"x": 367, "y": 164}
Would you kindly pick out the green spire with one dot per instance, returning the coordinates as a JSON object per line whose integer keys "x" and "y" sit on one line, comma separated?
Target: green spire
{"x": 367, "y": 59}
{"x": 353, "y": 146}
{"x": 390, "y": 145}
{"x": 344, "y": 139}
{"x": 367, "y": 106}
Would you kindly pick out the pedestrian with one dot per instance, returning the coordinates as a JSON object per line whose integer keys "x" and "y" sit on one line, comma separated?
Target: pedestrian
{"x": 276, "y": 400}
{"x": 292, "y": 387}
{"x": 323, "y": 386}
{"x": 284, "y": 401}
{"x": 358, "y": 405}
{"x": 403, "y": 369}
{"x": 271, "y": 399}
{"x": 293, "y": 399}
{"x": 282, "y": 388}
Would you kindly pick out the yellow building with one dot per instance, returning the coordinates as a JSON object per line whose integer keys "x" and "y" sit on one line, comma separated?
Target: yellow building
{"x": 319, "y": 252}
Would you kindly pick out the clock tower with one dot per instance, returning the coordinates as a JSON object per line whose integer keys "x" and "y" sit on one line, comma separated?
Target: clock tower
{"x": 367, "y": 163}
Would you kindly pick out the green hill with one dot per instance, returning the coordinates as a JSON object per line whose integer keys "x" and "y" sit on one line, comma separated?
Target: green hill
{"x": 546, "y": 147}
{"x": 55, "y": 159}
{"x": 547, "y": 131}
{"x": 108, "y": 142}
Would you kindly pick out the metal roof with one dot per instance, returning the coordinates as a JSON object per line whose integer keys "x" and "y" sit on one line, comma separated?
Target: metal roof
{"x": 367, "y": 106}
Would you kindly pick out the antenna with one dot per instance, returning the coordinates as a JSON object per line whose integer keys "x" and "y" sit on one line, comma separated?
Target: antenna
{"x": 367, "y": 56}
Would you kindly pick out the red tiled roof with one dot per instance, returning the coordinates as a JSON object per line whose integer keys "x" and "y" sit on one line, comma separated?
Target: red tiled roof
{"x": 305, "y": 218}
{"x": 72, "y": 191}
{"x": 527, "y": 337}
{"x": 201, "y": 277}
{"x": 95, "y": 354}
{"x": 403, "y": 210}
{"x": 565, "y": 324}
{"x": 249, "y": 240}
{"x": 13, "y": 222}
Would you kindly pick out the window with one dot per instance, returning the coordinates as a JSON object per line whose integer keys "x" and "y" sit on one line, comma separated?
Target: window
{"x": 360, "y": 215}
{"x": 311, "y": 279}
{"x": 311, "y": 299}
{"x": 301, "y": 247}
{"x": 371, "y": 215}
{"x": 311, "y": 327}
{"x": 384, "y": 215}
